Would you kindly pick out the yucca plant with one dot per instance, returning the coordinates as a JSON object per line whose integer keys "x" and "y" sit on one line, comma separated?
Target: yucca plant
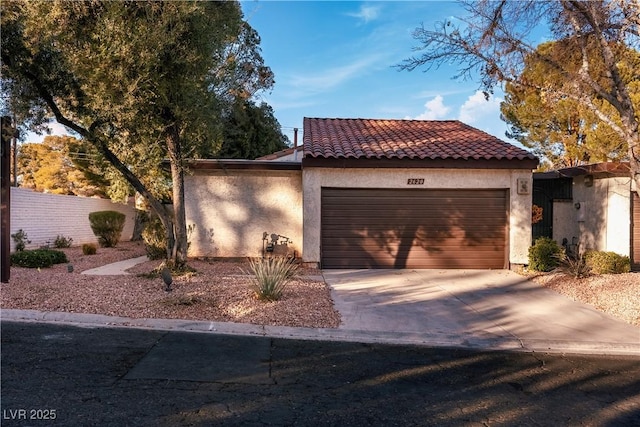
{"x": 270, "y": 276}
{"x": 576, "y": 266}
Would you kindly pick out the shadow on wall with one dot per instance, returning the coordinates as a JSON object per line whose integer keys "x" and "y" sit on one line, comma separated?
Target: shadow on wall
{"x": 599, "y": 217}
{"x": 237, "y": 210}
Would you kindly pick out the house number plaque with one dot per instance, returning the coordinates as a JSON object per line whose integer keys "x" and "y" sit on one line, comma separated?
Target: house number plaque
{"x": 415, "y": 181}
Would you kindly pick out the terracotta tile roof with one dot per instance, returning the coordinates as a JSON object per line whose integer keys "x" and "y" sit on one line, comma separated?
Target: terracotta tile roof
{"x": 403, "y": 139}
{"x": 282, "y": 153}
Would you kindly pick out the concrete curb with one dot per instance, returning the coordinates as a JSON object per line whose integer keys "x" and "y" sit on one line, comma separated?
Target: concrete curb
{"x": 473, "y": 341}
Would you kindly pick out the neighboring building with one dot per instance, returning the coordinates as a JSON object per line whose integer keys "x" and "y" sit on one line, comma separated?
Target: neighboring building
{"x": 590, "y": 207}
{"x": 371, "y": 194}
{"x": 292, "y": 154}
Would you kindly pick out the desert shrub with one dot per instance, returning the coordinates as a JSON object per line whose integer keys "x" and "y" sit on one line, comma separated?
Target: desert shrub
{"x": 155, "y": 239}
{"x": 89, "y": 249}
{"x": 576, "y": 266}
{"x": 62, "y": 242}
{"x": 107, "y": 227}
{"x": 544, "y": 255}
{"x": 602, "y": 262}
{"x": 270, "y": 276}
{"x": 20, "y": 240}
{"x": 38, "y": 258}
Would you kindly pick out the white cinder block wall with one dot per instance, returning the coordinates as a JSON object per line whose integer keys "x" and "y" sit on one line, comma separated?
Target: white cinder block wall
{"x": 45, "y": 216}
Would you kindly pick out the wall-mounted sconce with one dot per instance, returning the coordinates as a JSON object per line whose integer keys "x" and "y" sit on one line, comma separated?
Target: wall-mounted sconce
{"x": 576, "y": 205}
{"x": 588, "y": 180}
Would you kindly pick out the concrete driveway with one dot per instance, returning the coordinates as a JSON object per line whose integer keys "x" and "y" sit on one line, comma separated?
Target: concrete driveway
{"x": 473, "y": 308}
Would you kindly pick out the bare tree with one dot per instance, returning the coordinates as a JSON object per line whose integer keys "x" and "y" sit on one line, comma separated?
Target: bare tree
{"x": 496, "y": 38}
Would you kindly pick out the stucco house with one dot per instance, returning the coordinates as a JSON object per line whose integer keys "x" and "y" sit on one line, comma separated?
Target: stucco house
{"x": 590, "y": 207}
{"x": 364, "y": 193}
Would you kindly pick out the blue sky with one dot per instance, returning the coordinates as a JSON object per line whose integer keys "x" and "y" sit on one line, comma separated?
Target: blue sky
{"x": 337, "y": 58}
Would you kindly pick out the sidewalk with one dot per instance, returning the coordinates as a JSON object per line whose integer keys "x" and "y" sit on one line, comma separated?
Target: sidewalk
{"x": 426, "y": 339}
{"x": 117, "y": 268}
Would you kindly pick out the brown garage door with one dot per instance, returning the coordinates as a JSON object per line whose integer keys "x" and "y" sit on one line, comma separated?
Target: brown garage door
{"x": 383, "y": 228}
{"x": 635, "y": 233}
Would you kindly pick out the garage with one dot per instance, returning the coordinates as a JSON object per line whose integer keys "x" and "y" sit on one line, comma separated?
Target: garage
{"x": 370, "y": 193}
{"x": 414, "y": 228}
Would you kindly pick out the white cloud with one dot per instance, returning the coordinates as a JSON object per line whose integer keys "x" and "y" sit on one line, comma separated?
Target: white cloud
{"x": 435, "y": 110}
{"x": 476, "y": 108}
{"x": 330, "y": 78}
{"x": 366, "y": 13}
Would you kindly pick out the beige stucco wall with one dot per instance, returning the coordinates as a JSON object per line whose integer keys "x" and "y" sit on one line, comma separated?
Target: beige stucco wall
{"x": 603, "y": 220}
{"x": 232, "y": 209}
{"x": 565, "y": 225}
{"x": 519, "y": 204}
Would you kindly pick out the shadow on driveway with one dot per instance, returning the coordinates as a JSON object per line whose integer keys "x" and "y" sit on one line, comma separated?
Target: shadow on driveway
{"x": 485, "y": 304}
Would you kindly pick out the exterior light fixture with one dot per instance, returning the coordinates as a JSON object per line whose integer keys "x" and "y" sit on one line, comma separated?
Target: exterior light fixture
{"x": 167, "y": 279}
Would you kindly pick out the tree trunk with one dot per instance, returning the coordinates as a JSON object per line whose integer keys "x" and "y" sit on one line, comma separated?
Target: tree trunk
{"x": 138, "y": 226}
{"x": 634, "y": 158}
{"x": 101, "y": 145}
{"x": 631, "y": 127}
{"x": 179, "y": 247}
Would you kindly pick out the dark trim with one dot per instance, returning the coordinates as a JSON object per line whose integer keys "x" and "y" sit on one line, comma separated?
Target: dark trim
{"x": 598, "y": 170}
{"x": 226, "y": 164}
{"x": 235, "y": 164}
{"x": 634, "y": 248}
{"x": 529, "y": 164}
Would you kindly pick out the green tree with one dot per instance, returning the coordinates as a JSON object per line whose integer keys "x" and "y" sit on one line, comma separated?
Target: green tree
{"x": 251, "y": 131}
{"x": 138, "y": 81}
{"x": 559, "y": 129}
{"x": 51, "y": 167}
{"x": 495, "y": 38}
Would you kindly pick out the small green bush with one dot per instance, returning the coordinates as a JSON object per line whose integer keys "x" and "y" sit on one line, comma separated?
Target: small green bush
{"x": 155, "y": 240}
{"x": 107, "y": 227}
{"x": 602, "y": 262}
{"x": 62, "y": 242}
{"x": 38, "y": 258}
{"x": 270, "y": 276}
{"x": 544, "y": 255}
{"x": 20, "y": 240}
{"x": 89, "y": 249}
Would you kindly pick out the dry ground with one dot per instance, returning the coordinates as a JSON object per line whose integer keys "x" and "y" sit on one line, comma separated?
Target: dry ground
{"x": 615, "y": 294}
{"x": 219, "y": 291}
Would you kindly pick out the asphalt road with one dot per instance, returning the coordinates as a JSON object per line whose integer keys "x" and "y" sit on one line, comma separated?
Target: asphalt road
{"x": 54, "y": 375}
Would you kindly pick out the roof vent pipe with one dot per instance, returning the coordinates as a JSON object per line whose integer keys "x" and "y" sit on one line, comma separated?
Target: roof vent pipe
{"x": 295, "y": 138}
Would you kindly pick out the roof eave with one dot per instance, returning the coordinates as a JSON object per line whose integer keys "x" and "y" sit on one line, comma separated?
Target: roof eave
{"x": 526, "y": 163}
{"x": 236, "y": 164}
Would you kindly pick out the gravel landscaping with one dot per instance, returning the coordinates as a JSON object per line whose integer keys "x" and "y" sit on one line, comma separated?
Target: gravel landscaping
{"x": 615, "y": 294}
{"x": 219, "y": 291}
